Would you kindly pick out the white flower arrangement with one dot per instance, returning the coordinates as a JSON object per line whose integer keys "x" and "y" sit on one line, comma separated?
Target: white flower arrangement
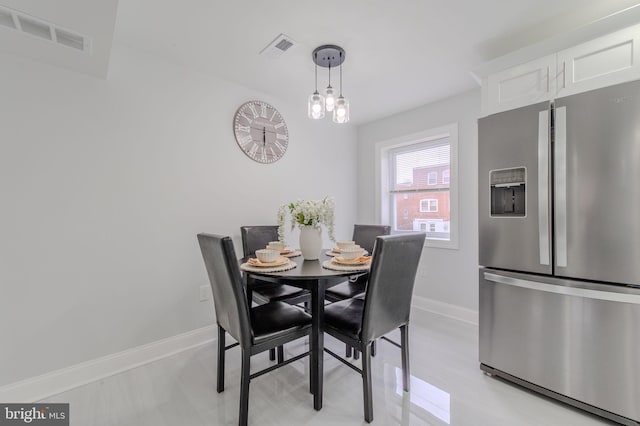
{"x": 308, "y": 213}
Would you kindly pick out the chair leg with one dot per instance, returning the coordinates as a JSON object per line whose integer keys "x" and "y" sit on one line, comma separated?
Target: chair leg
{"x": 272, "y": 354}
{"x": 347, "y": 352}
{"x": 373, "y": 348}
{"x": 280, "y": 354}
{"x": 356, "y": 354}
{"x": 404, "y": 343}
{"x": 244, "y": 387}
{"x": 366, "y": 383}
{"x": 221, "y": 345}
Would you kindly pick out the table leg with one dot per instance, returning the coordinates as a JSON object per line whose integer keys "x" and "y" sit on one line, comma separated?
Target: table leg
{"x": 317, "y": 342}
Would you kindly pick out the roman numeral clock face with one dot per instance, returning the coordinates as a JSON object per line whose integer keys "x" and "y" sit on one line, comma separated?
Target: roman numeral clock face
{"x": 260, "y": 131}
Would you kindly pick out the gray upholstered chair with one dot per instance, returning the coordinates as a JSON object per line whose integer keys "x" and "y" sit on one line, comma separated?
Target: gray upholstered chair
{"x": 358, "y": 322}
{"x": 256, "y": 238}
{"x": 256, "y": 329}
{"x": 365, "y": 236}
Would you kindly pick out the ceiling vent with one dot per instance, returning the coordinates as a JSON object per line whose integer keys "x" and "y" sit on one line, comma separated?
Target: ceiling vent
{"x": 26, "y": 24}
{"x": 278, "y": 46}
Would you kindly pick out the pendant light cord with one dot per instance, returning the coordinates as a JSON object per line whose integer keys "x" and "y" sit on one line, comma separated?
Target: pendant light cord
{"x": 316, "y": 62}
{"x": 340, "y": 73}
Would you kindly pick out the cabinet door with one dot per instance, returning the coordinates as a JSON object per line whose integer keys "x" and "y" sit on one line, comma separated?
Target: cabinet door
{"x": 522, "y": 85}
{"x": 602, "y": 62}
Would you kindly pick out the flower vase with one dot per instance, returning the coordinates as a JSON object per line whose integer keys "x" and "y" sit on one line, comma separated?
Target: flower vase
{"x": 310, "y": 242}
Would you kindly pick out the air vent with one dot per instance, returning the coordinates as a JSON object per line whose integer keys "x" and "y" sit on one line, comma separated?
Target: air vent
{"x": 69, "y": 39}
{"x": 278, "y": 46}
{"x": 27, "y": 24}
{"x": 36, "y": 28}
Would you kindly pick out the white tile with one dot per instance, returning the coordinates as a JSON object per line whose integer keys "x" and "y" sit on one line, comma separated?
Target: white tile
{"x": 447, "y": 387}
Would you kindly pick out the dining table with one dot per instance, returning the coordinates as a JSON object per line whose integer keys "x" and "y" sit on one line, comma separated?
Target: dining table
{"x": 312, "y": 276}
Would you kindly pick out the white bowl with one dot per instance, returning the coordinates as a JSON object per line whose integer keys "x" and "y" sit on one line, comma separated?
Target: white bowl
{"x": 266, "y": 255}
{"x": 351, "y": 252}
{"x": 344, "y": 244}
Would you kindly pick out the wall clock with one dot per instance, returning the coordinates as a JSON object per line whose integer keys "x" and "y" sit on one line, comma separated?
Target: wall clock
{"x": 260, "y": 131}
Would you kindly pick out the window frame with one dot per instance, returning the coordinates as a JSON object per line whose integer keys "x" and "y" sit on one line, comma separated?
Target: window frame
{"x": 429, "y": 200}
{"x": 435, "y": 178}
{"x": 383, "y": 210}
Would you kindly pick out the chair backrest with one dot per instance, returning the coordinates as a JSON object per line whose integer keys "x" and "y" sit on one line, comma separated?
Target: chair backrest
{"x": 365, "y": 235}
{"x": 387, "y": 302}
{"x": 257, "y": 237}
{"x": 229, "y": 297}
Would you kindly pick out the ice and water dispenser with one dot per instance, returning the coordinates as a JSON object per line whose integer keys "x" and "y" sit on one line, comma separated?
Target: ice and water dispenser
{"x": 508, "y": 192}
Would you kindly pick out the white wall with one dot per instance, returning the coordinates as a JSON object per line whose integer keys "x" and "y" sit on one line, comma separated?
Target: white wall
{"x": 104, "y": 185}
{"x": 445, "y": 275}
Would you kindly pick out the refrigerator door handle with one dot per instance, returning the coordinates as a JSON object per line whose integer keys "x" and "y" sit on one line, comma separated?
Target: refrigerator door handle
{"x": 610, "y": 296}
{"x": 561, "y": 185}
{"x": 543, "y": 186}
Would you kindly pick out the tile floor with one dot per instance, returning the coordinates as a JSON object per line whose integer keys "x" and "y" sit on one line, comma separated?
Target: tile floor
{"x": 447, "y": 388}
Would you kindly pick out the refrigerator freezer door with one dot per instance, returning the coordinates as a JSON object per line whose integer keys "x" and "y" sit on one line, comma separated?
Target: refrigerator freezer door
{"x": 514, "y": 187}
{"x": 577, "y": 339}
{"x": 597, "y": 173}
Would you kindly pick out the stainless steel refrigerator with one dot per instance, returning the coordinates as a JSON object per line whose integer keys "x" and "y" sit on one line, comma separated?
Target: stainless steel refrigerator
{"x": 559, "y": 223}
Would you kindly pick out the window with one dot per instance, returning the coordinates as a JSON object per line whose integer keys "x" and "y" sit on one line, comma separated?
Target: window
{"x": 432, "y": 178}
{"x": 418, "y": 186}
{"x": 428, "y": 205}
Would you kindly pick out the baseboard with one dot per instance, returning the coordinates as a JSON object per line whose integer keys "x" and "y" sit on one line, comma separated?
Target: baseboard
{"x": 445, "y": 309}
{"x": 58, "y": 381}
{"x": 55, "y": 382}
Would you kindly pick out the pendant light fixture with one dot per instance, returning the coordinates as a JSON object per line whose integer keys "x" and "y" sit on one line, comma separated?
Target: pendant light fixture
{"x": 341, "y": 110}
{"x": 316, "y": 100}
{"x": 328, "y": 56}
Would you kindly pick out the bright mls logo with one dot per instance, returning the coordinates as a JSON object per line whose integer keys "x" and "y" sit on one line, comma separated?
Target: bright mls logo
{"x": 34, "y": 414}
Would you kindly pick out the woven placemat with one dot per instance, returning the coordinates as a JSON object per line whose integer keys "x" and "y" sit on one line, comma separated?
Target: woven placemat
{"x": 251, "y": 268}
{"x": 328, "y": 264}
{"x": 294, "y": 253}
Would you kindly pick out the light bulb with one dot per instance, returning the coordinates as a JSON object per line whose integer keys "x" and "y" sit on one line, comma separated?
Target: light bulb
{"x": 316, "y": 106}
{"x": 341, "y": 111}
{"x": 329, "y": 99}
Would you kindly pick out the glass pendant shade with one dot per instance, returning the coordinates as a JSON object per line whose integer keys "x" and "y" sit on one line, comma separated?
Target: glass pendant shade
{"x": 329, "y": 99}
{"x": 341, "y": 111}
{"x": 316, "y": 106}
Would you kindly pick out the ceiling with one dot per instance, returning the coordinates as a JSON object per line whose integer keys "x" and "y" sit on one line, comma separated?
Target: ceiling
{"x": 399, "y": 55}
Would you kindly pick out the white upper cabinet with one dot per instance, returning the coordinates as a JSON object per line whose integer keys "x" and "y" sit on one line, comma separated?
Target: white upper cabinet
{"x": 522, "y": 85}
{"x": 605, "y": 61}
{"x": 601, "y": 62}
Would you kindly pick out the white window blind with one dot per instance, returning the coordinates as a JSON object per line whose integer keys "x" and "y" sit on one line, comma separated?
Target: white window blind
{"x": 414, "y": 187}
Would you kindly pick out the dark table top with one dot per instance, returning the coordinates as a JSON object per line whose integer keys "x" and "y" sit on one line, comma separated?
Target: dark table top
{"x": 306, "y": 270}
